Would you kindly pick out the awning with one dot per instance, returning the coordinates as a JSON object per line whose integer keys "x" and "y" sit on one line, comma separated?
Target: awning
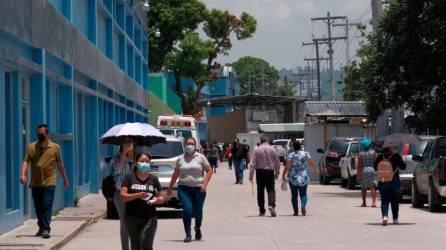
{"x": 282, "y": 127}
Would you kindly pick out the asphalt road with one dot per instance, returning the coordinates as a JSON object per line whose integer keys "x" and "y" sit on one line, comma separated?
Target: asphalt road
{"x": 334, "y": 221}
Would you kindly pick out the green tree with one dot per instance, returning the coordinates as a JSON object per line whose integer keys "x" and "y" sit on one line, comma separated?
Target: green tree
{"x": 252, "y": 71}
{"x": 404, "y": 63}
{"x": 173, "y": 18}
{"x": 197, "y": 58}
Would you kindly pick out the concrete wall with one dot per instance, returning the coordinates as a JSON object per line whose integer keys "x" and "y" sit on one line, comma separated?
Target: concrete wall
{"x": 224, "y": 128}
{"x": 314, "y": 136}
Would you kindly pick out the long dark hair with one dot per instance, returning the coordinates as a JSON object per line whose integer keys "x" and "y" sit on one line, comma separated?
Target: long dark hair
{"x": 297, "y": 145}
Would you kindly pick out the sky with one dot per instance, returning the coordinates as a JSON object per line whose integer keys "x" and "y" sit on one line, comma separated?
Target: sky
{"x": 283, "y": 25}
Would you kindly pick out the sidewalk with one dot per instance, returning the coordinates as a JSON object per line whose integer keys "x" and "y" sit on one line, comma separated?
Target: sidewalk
{"x": 66, "y": 225}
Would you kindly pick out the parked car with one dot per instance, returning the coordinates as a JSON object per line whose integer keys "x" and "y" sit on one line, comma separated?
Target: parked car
{"x": 164, "y": 158}
{"x": 348, "y": 165}
{"x": 407, "y": 151}
{"x": 429, "y": 181}
{"x": 282, "y": 146}
{"x": 334, "y": 151}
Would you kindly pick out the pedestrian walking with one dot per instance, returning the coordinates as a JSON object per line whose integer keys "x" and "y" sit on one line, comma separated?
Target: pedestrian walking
{"x": 43, "y": 155}
{"x": 141, "y": 191}
{"x": 389, "y": 184}
{"x": 212, "y": 155}
{"x": 366, "y": 171}
{"x": 122, "y": 165}
{"x": 194, "y": 172}
{"x": 266, "y": 165}
{"x": 296, "y": 170}
{"x": 228, "y": 155}
{"x": 240, "y": 155}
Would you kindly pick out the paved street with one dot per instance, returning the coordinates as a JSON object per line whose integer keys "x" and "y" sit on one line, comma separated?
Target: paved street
{"x": 334, "y": 221}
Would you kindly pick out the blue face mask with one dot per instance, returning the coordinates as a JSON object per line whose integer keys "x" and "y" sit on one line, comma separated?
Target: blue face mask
{"x": 143, "y": 167}
{"x": 190, "y": 149}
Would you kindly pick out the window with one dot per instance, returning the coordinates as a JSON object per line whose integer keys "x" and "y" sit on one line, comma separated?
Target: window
{"x": 167, "y": 131}
{"x": 186, "y": 134}
{"x": 354, "y": 149}
{"x": 338, "y": 146}
{"x": 166, "y": 150}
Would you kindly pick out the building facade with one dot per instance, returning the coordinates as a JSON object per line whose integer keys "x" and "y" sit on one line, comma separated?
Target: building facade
{"x": 81, "y": 67}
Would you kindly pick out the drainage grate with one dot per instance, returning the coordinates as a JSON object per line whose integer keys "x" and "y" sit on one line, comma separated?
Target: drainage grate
{"x": 76, "y": 218}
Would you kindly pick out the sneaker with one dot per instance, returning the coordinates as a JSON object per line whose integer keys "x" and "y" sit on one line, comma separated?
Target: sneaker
{"x": 272, "y": 211}
{"x": 198, "y": 234}
{"x": 39, "y": 233}
{"x": 385, "y": 221}
{"x": 304, "y": 211}
{"x": 45, "y": 234}
{"x": 395, "y": 221}
{"x": 188, "y": 239}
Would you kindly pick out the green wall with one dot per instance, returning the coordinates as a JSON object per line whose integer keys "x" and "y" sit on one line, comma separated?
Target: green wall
{"x": 158, "y": 87}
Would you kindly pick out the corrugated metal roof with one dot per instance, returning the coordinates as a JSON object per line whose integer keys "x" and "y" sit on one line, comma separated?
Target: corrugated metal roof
{"x": 335, "y": 109}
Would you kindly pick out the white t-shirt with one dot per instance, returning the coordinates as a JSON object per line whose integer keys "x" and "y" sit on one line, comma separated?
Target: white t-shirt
{"x": 191, "y": 169}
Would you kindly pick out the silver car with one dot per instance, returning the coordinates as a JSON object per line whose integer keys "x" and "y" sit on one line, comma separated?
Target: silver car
{"x": 164, "y": 157}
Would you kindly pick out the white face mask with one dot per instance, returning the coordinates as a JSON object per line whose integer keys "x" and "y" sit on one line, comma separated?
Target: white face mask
{"x": 190, "y": 149}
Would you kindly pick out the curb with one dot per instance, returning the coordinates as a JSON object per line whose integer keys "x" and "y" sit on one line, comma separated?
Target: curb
{"x": 66, "y": 238}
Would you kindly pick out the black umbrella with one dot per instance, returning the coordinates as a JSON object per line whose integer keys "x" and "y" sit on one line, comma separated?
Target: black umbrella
{"x": 399, "y": 139}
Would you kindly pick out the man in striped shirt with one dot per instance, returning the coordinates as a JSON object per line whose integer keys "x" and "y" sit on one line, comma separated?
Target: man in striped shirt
{"x": 265, "y": 162}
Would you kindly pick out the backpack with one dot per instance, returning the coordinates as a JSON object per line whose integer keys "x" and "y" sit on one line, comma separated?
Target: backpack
{"x": 385, "y": 170}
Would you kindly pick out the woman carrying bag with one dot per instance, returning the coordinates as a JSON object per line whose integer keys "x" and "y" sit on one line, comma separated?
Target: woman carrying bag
{"x": 296, "y": 169}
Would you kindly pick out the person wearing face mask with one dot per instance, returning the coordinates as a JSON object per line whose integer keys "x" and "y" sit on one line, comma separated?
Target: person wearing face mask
{"x": 390, "y": 191}
{"x": 141, "y": 191}
{"x": 191, "y": 168}
{"x": 44, "y": 155}
{"x": 121, "y": 165}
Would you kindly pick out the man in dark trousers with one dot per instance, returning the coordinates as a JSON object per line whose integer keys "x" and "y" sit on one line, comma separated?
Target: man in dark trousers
{"x": 240, "y": 156}
{"x": 266, "y": 164}
{"x": 44, "y": 155}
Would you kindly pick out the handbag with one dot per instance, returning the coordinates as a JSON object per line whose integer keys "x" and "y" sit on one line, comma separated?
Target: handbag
{"x": 108, "y": 183}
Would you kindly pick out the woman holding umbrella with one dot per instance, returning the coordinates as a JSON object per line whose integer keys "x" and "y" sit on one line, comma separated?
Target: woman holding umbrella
{"x": 192, "y": 185}
{"x": 128, "y": 136}
{"x": 121, "y": 166}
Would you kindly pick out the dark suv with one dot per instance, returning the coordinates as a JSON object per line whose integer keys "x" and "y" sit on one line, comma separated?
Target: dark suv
{"x": 335, "y": 149}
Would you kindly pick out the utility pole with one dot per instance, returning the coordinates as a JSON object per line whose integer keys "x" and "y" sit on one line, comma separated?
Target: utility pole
{"x": 318, "y": 71}
{"x": 330, "y": 40}
{"x": 306, "y": 73}
{"x": 347, "y": 27}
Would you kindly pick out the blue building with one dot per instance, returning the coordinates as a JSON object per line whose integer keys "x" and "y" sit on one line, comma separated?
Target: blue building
{"x": 81, "y": 67}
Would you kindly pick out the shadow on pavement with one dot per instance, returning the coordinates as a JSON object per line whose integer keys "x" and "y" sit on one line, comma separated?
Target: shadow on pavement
{"x": 169, "y": 214}
{"x": 390, "y": 224}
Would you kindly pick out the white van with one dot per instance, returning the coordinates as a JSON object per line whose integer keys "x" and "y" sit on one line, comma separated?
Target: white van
{"x": 179, "y": 125}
